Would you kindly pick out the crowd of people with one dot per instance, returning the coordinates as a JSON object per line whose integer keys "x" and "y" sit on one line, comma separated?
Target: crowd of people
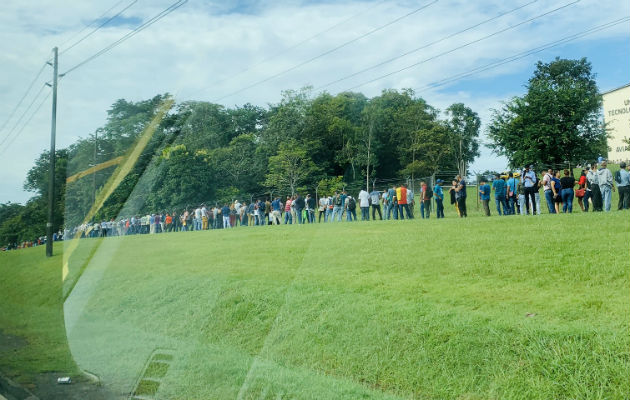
{"x": 518, "y": 193}
{"x": 593, "y": 190}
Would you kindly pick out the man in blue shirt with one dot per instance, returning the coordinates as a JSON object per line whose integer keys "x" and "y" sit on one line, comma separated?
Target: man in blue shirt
{"x": 438, "y": 194}
{"x": 529, "y": 181}
{"x": 376, "y": 204}
{"x": 512, "y": 182}
{"x": 499, "y": 194}
{"x": 484, "y": 195}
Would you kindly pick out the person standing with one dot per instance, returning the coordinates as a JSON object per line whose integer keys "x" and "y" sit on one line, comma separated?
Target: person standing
{"x": 425, "y": 200}
{"x": 567, "y": 182}
{"x": 593, "y": 182}
{"x": 460, "y": 196}
{"x": 364, "y": 203}
{"x": 520, "y": 195}
{"x": 484, "y": 196}
{"x": 300, "y": 204}
{"x": 376, "y": 204}
{"x": 499, "y": 195}
{"x": 580, "y": 193}
{"x": 225, "y": 212}
{"x": 323, "y": 205}
{"x": 556, "y": 187}
{"x": 511, "y": 194}
{"x": 546, "y": 182}
{"x": 337, "y": 204}
{"x": 403, "y": 205}
{"x": 438, "y": 193}
{"x": 605, "y": 180}
{"x": 351, "y": 209}
{"x": 453, "y": 194}
{"x": 622, "y": 177}
{"x": 310, "y": 208}
{"x": 288, "y": 218}
{"x": 530, "y": 188}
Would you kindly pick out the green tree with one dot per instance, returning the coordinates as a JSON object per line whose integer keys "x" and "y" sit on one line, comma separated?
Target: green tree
{"x": 289, "y": 168}
{"x": 464, "y": 125}
{"x": 557, "y": 120}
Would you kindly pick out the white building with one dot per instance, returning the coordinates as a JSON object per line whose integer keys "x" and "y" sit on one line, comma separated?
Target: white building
{"x": 617, "y": 118}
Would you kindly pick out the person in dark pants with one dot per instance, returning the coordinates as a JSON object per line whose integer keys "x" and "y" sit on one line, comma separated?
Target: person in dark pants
{"x": 376, "y": 204}
{"x": 622, "y": 177}
{"x": 460, "y": 196}
{"x": 438, "y": 194}
{"x": 529, "y": 183}
{"x": 593, "y": 183}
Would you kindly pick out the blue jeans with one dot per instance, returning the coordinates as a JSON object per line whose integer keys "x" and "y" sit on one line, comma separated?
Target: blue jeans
{"x": 337, "y": 211}
{"x": 365, "y": 213}
{"x": 500, "y": 201}
{"x": 287, "y": 217}
{"x": 550, "y": 204}
{"x": 567, "y": 200}
{"x": 328, "y": 215}
{"x": 300, "y": 219}
{"x": 350, "y": 214}
{"x": 587, "y": 195}
{"x": 511, "y": 206}
{"x": 606, "y": 196}
{"x": 522, "y": 204}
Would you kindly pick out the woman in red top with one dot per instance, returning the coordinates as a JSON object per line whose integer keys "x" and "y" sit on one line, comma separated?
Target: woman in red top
{"x": 579, "y": 193}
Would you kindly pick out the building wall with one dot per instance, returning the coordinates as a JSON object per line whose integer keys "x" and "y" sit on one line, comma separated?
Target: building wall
{"x": 617, "y": 118}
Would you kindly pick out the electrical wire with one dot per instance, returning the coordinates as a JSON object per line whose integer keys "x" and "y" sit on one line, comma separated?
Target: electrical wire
{"x": 91, "y": 23}
{"x": 379, "y": 28}
{"x": 135, "y": 31}
{"x": 495, "y": 33}
{"x": 294, "y": 46}
{"x": 39, "y": 106}
{"x": 524, "y": 54}
{"x": 28, "y": 90}
{"x": 107, "y": 21}
{"x": 389, "y": 60}
{"x": 21, "y": 117}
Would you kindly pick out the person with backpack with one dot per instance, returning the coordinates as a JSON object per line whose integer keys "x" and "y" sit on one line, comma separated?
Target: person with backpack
{"x": 622, "y": 178}
{"x": 351, "y": 209}
{"x": 425, "y": 204}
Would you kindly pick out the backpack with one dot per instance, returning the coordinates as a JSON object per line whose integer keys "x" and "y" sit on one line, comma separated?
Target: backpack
{"x": 618, "y": 176}
{"x": 352, "y": 204}
{"x": 338, "y": 200}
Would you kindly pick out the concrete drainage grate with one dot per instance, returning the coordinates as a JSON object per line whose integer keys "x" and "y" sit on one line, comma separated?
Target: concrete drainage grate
{"x": 152, "y": 374}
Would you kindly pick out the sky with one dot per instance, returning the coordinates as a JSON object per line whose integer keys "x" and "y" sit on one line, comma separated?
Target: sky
{"x": 237, "y": 52}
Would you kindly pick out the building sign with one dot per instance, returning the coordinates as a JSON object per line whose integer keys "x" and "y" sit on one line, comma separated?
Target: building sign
{"x": 617, "y": 118}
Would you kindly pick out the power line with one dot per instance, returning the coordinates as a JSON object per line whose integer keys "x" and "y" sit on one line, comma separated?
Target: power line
{"x": 308, "y": 39}
{"x": 91, "y": 23}
{"x": 423, "y": 46}
{"x": 525, "y": 54}
{"x": 462, "y": 46}
{"x": 22, "y": 116}
{"x": 135, "y": 31}
{"x": 28, "y": 90}
{"x": 328, "y": 51}
{"x": 99, "y": 27}
{"x": 39, "y": 106}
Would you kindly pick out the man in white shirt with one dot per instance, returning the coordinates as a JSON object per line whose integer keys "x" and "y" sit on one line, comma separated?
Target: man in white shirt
{"x": 364, "y": 203}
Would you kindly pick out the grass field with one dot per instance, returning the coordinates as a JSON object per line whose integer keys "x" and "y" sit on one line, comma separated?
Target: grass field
{"x": 482, "y": 308}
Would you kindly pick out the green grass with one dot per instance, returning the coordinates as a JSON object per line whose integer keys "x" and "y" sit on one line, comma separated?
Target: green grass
{"x": 432, "y": 309}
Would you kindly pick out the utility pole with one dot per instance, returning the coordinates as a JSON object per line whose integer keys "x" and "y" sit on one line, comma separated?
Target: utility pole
{"x": 51, "y": 179}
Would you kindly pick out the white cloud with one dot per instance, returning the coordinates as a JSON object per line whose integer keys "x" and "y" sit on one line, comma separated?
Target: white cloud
{"x": 203, "y": 43}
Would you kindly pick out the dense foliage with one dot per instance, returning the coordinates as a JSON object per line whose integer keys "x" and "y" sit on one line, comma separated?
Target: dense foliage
{"x": 558, "y": 119}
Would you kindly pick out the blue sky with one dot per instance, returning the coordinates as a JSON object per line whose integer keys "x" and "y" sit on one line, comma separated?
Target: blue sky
{"x": 195, "y": 52}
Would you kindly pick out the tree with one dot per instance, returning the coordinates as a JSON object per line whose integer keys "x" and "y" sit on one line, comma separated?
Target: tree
{"x": 433, "y": 143}
{"x": 464, "y": 126}
{"x": 556, "y": 121}
{"x": 289, "y": 168}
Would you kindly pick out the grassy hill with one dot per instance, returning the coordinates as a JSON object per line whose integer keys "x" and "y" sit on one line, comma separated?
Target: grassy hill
{"x": 482, "y": 308}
